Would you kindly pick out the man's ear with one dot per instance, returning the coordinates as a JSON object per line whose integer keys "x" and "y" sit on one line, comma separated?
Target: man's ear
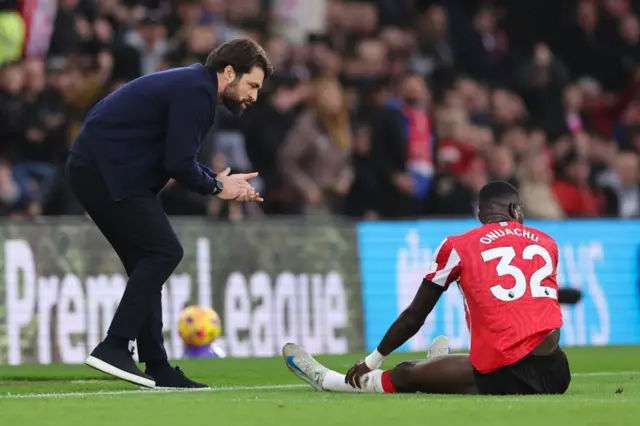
{"x": 229, "y": 74}
{"x": 513, "y": 210}
{"x": 516, "y": 212}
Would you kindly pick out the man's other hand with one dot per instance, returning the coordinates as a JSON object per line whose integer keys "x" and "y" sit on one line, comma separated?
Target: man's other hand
{"x": 237, "y": 187}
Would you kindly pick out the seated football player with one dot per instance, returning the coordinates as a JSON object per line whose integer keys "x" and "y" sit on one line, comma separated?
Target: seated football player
{"x": 506, "y": 272}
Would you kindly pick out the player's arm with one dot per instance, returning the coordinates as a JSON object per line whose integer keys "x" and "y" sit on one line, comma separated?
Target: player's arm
{"x": 411, "y": 319}
{"x": 189, "y": 115}
{"x": 567, "y": 295}
{"x": 445, "y": 269}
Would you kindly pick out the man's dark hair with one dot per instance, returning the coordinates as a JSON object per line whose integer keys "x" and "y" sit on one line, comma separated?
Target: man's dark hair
{"x": 498, "y": 190}
{"x": 243, "y": 54}
{"x": 498, "y": 201}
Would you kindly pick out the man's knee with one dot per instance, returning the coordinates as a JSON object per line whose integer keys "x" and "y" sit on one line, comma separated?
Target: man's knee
{"x": 175, "y": 253}
{"x": 170, "y": 254}
{"x": 402, "y": 377}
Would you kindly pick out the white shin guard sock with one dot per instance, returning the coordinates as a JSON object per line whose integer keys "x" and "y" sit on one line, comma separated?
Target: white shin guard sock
{"x": 370, "y": 382}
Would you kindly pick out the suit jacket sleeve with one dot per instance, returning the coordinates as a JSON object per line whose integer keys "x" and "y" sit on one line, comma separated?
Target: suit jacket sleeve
{"x": 208, "y": 171}
{"x": 190, "y": 113}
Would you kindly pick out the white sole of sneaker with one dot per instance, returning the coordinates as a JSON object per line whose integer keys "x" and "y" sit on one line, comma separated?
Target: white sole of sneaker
{"x": 294, "y": 369}
{"x": 439, "y": 347}
{"x": 120, "y": 374}
{"x": 289, "y": 353}
{"x": 164, "y": 388}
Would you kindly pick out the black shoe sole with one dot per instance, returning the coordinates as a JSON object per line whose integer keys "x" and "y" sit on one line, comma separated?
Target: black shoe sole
{"x": 109, "y": 369}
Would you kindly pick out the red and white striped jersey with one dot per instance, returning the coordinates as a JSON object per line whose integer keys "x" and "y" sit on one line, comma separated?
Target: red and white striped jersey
{"x": 507, "y": 274}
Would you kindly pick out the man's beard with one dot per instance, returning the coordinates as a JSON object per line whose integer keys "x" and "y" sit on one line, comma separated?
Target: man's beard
{"x": 231, "y": 102}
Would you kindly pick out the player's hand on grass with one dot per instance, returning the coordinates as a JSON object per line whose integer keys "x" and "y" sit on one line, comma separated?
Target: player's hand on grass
{"x": 237, "y": 187}
{"x": 355, "y": 373}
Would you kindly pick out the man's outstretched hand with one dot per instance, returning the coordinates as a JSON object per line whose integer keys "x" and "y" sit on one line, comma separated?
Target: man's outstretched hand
{"x": 237, "y": 187}
{"x": 353, "y": 375}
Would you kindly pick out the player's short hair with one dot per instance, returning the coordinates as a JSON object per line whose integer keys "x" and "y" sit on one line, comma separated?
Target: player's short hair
{"x": 498, "y": 191}
{"x": 243, "y": 54}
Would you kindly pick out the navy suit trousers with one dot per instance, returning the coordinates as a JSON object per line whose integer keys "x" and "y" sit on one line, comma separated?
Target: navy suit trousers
{"x": 139, "y": 230}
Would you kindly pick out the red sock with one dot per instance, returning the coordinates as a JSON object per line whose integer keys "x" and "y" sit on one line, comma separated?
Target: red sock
{"x": 387, "y": 386}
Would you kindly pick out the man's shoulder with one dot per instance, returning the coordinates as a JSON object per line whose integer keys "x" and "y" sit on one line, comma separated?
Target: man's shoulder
{"x": 466, "y": 237}
{"x": 543, "y": 237}
{"x": 180, "y": 79}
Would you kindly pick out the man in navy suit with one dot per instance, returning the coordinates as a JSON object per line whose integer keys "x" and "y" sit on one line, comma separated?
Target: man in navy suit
{"x": 132, "y": 142}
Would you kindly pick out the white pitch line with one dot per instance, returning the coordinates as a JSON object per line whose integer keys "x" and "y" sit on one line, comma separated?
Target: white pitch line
{"x": 227, "y": 389}
{"x": 146, "y": 391}
{"x": 606, "y": 373}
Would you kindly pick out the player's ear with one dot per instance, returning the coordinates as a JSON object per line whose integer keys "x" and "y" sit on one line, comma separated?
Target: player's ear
{"x": 516, "y": 212}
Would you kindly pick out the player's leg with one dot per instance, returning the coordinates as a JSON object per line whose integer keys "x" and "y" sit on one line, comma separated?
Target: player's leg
{"x": 557, "y": 373}
{"x": 448, "y": 374}
{"x": 441, "y": 373}
{"x": 531, "y": 375}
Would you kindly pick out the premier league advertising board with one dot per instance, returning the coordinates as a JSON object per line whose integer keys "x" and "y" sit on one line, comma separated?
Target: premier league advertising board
{"x": 270, "y": 282}
{"x": 599, "y": 257}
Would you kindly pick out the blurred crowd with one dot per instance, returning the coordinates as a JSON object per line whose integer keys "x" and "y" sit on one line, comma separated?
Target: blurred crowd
{"x": 396, "y": 109}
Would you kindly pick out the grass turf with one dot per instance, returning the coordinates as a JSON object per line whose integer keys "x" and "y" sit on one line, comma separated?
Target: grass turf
{"x": 38, "y": 395}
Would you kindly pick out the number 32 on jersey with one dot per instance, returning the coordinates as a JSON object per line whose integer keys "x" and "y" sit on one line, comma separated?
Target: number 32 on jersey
{"x": 505, "y": 268}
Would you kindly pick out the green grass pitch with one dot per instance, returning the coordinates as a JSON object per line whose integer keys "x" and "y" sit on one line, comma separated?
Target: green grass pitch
{"x": 605, "y": 390}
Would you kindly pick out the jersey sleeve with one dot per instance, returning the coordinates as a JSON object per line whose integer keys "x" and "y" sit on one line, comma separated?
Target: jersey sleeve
{"x": 554, "y": 254}
{"x": 446, "y": 265}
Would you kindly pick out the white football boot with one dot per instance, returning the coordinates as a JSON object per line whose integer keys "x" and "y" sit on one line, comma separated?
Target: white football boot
{"x": 303, "y": 365}
{"x": 439, "y": 347}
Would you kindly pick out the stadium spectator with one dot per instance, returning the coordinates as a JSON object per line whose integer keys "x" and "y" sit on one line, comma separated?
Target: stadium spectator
{"x": 12, "y": 200}
{"x": 402, "y": 149}
{"x": 620, "y": 187}
{"x": 573, "y": 190}
{"x": 535, "y": 189}
{"x": 315, "y": 157}
{"x": 458, "y": 195}
{"x": 436, "y": 56}
{"x": 12, "y": 107}
{"x": 501, "y": 165}
{"x": 265, "y": 126}
{"x": 149, "y": 40}
{"x": 542, "y": 79}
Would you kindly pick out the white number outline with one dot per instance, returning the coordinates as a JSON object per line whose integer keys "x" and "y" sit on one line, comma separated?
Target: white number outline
{"x": 504, "y": 267}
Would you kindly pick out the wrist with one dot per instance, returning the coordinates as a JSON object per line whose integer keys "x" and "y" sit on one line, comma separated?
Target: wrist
{"x": 218, "y": 187}
{"x": 374, "y": 360}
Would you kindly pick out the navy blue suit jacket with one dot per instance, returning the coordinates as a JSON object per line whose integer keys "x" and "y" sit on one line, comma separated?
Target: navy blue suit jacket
{"x": 149, "y": 130}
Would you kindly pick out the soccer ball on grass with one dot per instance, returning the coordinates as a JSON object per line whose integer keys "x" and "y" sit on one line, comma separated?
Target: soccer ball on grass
{"x": 199, "y": 326}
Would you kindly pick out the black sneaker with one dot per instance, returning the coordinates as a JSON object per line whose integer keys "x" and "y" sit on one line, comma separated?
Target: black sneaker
{"x": 173, "y": 378}
{"x": 118, "y": 363}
